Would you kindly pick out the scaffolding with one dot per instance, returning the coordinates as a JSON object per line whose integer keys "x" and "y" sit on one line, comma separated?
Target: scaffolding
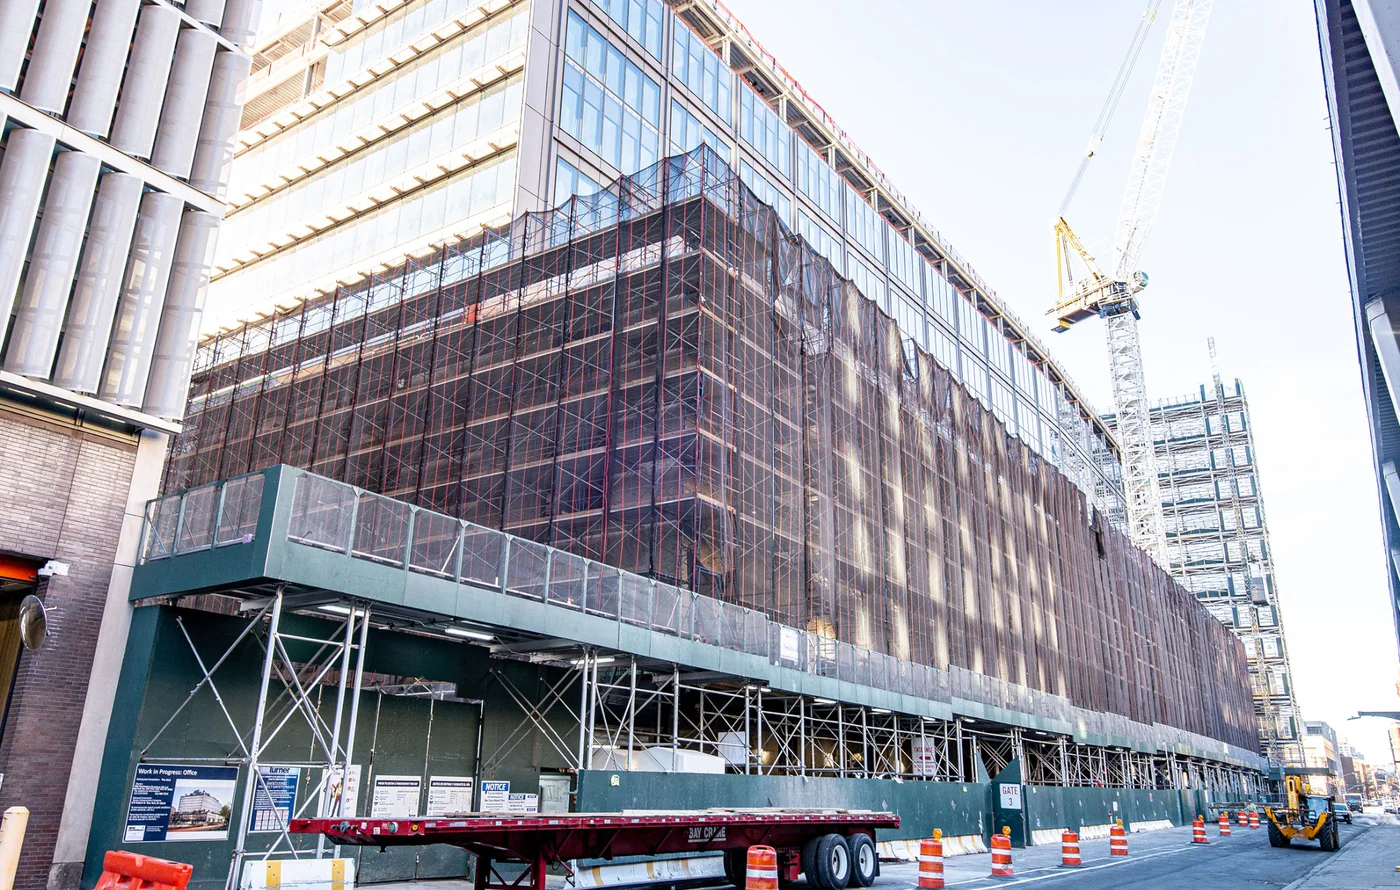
{"x": 663, "y": 378}
{"x": 1218, "y": 543}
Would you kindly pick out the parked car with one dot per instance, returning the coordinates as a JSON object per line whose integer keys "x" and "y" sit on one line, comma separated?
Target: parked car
{"x": 1340, "y": 812}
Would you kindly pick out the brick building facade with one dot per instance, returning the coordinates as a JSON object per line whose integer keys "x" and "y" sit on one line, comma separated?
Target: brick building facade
{"x": 68, "y": 490}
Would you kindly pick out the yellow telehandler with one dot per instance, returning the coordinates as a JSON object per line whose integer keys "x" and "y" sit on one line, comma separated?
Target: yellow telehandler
{"x": 1306, "y": 816}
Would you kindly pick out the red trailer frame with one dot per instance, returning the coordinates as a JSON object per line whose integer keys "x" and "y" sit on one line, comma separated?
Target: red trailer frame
{"x": 543, "y": 840}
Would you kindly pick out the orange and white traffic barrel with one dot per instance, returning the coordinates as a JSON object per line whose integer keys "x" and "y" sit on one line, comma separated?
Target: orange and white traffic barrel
{"x": 931, "y": 861}
{"x": 1001, "y": 854}
{"x": 1224, "y": 825}
{"x": 1117, "y": 839}
{"x": 1253, "y": 819}
{"x": 1243, "y": 819}
{"x": 762, "y": 872}
{"x": 1198, "y": 831}
{"x": 1069, "y": 850}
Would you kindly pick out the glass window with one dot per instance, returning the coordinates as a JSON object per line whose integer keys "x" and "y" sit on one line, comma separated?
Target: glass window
{"x": 608, "y": 103}
{"x": 700, "y": 69}
{"x": 945, "y": 349}
{"x": 568, "y": 181}
{"x": 687, "y": 132}
{"x": 970, "y": 324}
{"x": 864, "y": 225}
{"x": 367, "y": 114}
{"x": 761, "y": 127}
{"x": 822, "y": 241}
{"x": 871, "y": 284}
{"x": 904, "y": 260}
{"x": 818, "y": 181}
{"x": 641, "y": 19}
{"x": 765, "y": 191}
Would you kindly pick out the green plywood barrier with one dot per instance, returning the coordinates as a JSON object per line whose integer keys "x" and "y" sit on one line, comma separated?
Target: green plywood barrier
{"x": 922, "y": 806}
{"x": 1073, "y": 808}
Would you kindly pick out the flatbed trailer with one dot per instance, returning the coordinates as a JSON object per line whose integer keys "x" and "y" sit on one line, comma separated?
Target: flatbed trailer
{"x": 833, "y": 848}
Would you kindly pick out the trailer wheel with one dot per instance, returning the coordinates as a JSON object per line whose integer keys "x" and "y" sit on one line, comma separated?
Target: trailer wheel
{"x": 865, "y": 861}
{"x": 832, "y": 864}
{"x": 736, "y": 866}
{"x": 809, "y": 861}
{"x": 1276, "y": 838}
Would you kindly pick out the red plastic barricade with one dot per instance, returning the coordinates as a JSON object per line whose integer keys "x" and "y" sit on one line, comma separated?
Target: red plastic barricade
{"x": 132, "y": 871}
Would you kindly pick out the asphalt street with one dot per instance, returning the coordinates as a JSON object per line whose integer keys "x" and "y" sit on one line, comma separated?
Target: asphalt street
{"x": 1166, "y": 860}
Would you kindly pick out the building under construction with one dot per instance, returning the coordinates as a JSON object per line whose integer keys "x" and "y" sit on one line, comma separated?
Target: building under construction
{"x": 663, "y": 378}
{"x": 1218, "y": 542}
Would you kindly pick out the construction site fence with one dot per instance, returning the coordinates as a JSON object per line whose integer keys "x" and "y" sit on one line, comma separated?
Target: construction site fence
{"x": 664, "y": 379}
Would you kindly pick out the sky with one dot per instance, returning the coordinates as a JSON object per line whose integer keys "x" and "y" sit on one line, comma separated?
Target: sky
{"x": 979, "y": 113}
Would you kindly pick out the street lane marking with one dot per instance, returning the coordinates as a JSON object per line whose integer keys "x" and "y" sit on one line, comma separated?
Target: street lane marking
{"x": 1065, "y": 872}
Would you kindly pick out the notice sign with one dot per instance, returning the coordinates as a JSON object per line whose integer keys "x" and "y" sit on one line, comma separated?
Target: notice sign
{"x": 274, "y": 797}
{"x": 1010, "y": 797}
{"x": 788, "y": 644}
{"x": 342, "y": 792}
{"x": 494, "y": 797}
{"x": 449, "y": 795}
{"x": 522, "y": 804}
{"x": 170, "y": 802}
{"x": 395, "y": 796}
{"x": 925, "y": 757}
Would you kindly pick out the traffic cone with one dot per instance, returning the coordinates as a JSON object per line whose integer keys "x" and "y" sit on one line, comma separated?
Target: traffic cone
{"x": 931, "y": 862}
{"x": 762, "y": 871}
{"x": 1001, "y": 854}
{"x": 1253, "y": 819}
{"x": 1069, "y": 850}
{"x": 1198, "y": 831}
{"x": 1117, "y": 839}
{"x": 1224, "y": 825}
{"x": 1243, "y": 819}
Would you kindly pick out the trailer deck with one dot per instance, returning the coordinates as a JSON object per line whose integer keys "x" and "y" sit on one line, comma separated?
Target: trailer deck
{"x": 541, "y": 841}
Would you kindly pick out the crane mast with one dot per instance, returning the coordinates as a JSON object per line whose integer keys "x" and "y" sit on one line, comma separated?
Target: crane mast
{"x": 1113, "y": 297}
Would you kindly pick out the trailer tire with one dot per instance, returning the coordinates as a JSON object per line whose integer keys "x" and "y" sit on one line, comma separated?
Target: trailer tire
{"x": 1276, "y": 838}
{"x": 809, "y": 861}
{"x": 736, "y": 866}
{"x": 832, "y": 865}
{"x": 865, "y": 860}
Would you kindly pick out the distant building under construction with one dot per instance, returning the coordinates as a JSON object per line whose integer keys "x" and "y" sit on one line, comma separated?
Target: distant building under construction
{"x": 1218, "y": 542}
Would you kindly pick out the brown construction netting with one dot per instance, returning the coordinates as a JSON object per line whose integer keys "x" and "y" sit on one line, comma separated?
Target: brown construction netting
{"x": 664, "y": 378}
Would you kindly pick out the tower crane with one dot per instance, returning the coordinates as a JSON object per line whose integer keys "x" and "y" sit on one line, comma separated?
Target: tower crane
{"x": 1085, "y": 291}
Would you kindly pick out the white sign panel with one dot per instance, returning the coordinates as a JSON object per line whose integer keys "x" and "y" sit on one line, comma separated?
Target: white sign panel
{"x": 788, "y": 644}
{"x": 395, "y": 796}
{"x": 734, "y": 747}
{"x": 449, "y": 795}
{"x": 494, "y": 796}
{"x": 1010, "y": 797}
{"x": 925, "y": 757}
{"x": 343, "y": 794}
{"x": 522, "y": 804}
